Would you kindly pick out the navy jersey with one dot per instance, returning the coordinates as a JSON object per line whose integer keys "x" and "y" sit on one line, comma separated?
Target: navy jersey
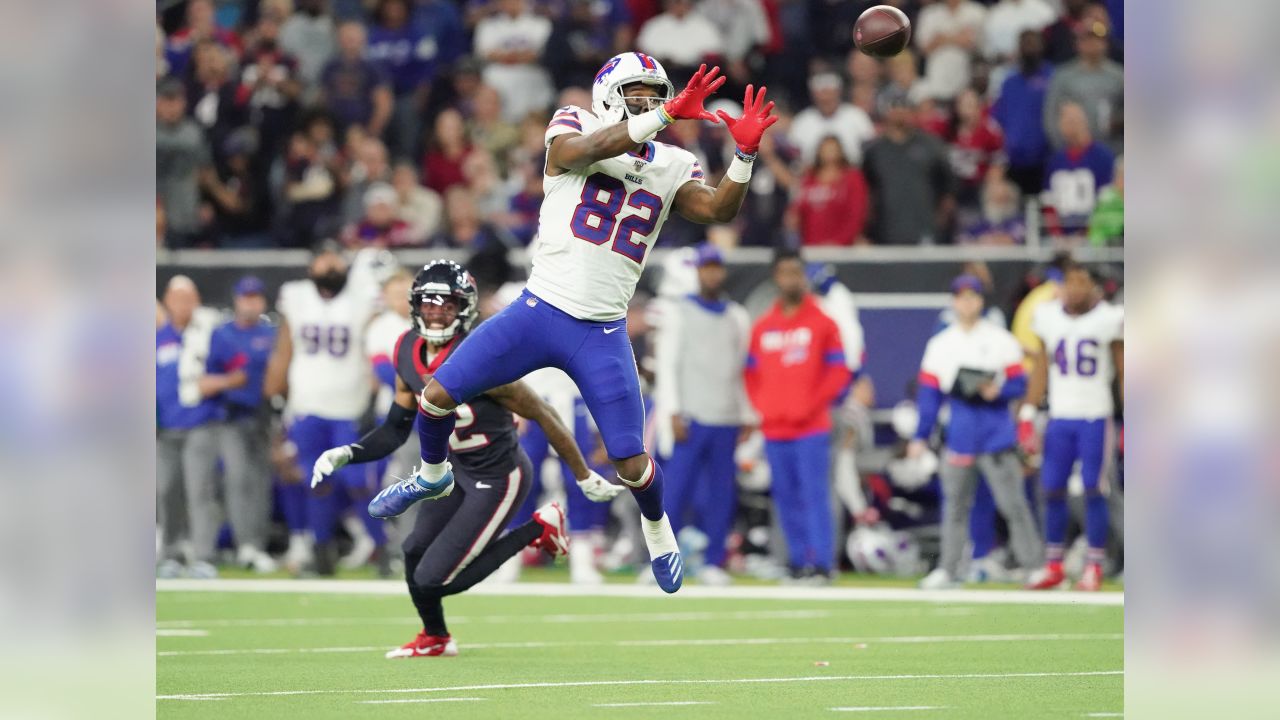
{"x": 484, "y": 441}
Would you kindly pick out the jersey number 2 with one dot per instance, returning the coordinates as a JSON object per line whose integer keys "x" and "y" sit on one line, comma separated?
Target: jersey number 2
{"x": 461, "y": 441}
{"x": 596, "y": 217}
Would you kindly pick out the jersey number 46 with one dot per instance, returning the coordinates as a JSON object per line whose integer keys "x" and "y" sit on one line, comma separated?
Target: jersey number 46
{"x": 596, "y": 217}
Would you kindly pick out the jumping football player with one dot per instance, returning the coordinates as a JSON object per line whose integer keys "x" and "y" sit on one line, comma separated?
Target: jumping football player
{"x": 609, "y": 188}
{"x": 452, "y": 545}
{"x": 1086, "y": 335}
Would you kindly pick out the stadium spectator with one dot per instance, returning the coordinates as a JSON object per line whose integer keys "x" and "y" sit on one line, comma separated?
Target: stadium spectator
{"x": 410, "y": 55}
{"x": 1093, "y": 81}
{"x": 369, "y": 167}
{"x": 700, "y": 353}
{"x": 269, "y": 76}
{"x": 976, "y": 367}
{"x": 582, "y": 41}
{"x": 1106, "y": 225}
{"x": 947, "y": 34}
{"x": 355, "y": 89}
{"x": 903, "y": 79}
{"x": 910, "y": 180}
{"x": 183, "y": 165}
{"x": 201, "y": 26}
{"x": 744, "y": 27}
{"x": 419, "y": 207}
{"x": 1060, "y": 37}
{"x": 186, "y": 435}
{"x": 1075, "y": 173}
{"x": 526, "y": 203}
{"x": 447, "y": 150}
{"x": 511, "y": 42}
{"x": 310, "y": 194}
{"x": 234, "y": 371}
{"x": 829, "y": 115}
{"x": 681, "y": 38}
{"x": 490, "y": 189}
{"x": 830, "y": 206}
{"x": 486, "y": 128}
{"x": 241, "y": 201}
{"x": 975, "y": 145}
{"x": 380, "y": 226}
{"x": 308, "y": 35}
{"x": 214, "y": 99}
{"x": 794, "y": 345}
{"x": 465, "y": 229}
{"x": 1020, "y": 112}
{"x": 1007, "y": 20}
{"x": 1001, "y": 221}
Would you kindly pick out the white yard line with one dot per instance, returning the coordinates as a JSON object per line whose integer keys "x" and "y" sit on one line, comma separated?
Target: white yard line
{"x": 889, "y": 707}
{"x": 181, "y": 632}
{"x": 664, "y": 682}
{"x": 418, "y": 700}
{"x": 511, "y": 619}
{"x": 653, "y": 704}
{"x": 684, "y": 642}
{"x": 735, "y": 592}
{"x": 1104, "y": 714}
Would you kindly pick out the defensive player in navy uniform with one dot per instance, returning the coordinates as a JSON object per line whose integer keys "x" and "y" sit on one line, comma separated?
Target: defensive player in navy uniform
{"x": 454, "y": 543}
{"x": 609, "y": 187}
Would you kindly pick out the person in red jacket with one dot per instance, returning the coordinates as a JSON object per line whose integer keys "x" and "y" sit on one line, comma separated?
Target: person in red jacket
{"x": 831, "y": 207}
{"x": 795, "y": 371}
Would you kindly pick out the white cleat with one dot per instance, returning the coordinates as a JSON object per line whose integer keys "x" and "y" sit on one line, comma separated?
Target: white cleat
{"x": 939, "y": 579}
{"x": 714, "y": 576}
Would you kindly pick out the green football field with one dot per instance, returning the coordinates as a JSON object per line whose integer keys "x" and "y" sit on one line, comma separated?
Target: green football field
{"x": 314, "y": 649}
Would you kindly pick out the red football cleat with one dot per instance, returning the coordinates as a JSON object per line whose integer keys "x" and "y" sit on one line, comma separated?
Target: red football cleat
{"x": 555, "y": 536}
{"x": 1091, "y": 580}
{"x": 425, "y": 645}
{"x": 1049, "y": 578}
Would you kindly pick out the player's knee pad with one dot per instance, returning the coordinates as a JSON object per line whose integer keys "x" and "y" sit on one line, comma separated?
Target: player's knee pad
{"x": 642, "y": 480}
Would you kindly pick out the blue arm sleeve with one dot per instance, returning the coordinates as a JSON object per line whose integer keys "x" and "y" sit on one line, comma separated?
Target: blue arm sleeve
{"x": 386, "y": 373}
{"x": 1013, "y": 388}
{"x": 928, "y": 401}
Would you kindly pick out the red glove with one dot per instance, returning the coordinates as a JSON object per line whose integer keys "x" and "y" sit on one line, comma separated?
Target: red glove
{"x": 748, "y": 129}
{"x": 1027, "y": 437}
{"x": 688, "y": 104}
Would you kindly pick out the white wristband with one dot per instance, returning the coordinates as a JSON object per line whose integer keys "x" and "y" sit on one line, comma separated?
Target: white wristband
{"x": 1027, "y": 413}
{"x": 739, "y": 170}
{"x": 644, "y": 126}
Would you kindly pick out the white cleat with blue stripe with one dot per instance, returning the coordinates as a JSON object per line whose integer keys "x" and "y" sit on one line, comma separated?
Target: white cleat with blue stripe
{"x": 667, "y": 565}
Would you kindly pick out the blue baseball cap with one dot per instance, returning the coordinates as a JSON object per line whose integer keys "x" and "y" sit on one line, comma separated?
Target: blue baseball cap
{"x": 967, "y": 282}
{"x": 250, "y": 285}
{"x": 706, "y": 254}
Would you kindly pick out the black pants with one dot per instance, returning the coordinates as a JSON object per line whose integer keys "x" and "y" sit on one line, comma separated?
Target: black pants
{"x": 457, "y": 541}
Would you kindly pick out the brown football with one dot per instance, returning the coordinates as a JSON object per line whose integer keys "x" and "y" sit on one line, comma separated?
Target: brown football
{"x": 882, "y": 31}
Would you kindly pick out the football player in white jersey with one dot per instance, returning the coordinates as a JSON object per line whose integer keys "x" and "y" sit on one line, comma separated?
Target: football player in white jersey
{"x": 609, "y": 187}
{"x": 1082, "y": 351}
{"x": 320, "y": 365}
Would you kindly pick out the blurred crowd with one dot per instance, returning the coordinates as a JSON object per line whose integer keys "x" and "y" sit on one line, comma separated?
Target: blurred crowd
{"x": 761, "y": 480}
{"x": 419, "y": 123}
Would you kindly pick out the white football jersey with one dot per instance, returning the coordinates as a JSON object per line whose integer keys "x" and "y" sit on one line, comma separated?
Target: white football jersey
{"x": 1079, "y": 351}
{"x": 380, "y": 343}
{"x": 598, "y": 223}
{"x": 329, "y": 374}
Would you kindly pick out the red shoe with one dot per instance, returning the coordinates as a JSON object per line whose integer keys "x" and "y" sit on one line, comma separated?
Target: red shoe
{"x": 555, "y": 536}
{"x": 1091, "y": 580}
{"x": 425, "y": 645}
{"x": 1049, "y": 578}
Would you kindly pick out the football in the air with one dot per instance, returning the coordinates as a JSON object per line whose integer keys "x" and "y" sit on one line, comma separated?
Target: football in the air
{"x": 882, "y": 31}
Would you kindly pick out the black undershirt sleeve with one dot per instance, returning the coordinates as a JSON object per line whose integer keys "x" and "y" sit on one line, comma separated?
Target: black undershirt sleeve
{"x": 387, "y": 437}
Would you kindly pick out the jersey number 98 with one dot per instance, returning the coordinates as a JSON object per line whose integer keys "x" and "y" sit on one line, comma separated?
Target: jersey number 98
{"x": 335, "y": 339}
{"x": 596, "y": 217}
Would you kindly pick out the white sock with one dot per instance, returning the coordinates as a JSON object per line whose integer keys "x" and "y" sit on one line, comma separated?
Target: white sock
{"x": 658, "y": 536}
{"x": 432, "y": 472}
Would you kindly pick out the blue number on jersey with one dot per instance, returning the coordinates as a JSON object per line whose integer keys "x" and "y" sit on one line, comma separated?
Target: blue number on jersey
{"x": 335, "y": 339}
